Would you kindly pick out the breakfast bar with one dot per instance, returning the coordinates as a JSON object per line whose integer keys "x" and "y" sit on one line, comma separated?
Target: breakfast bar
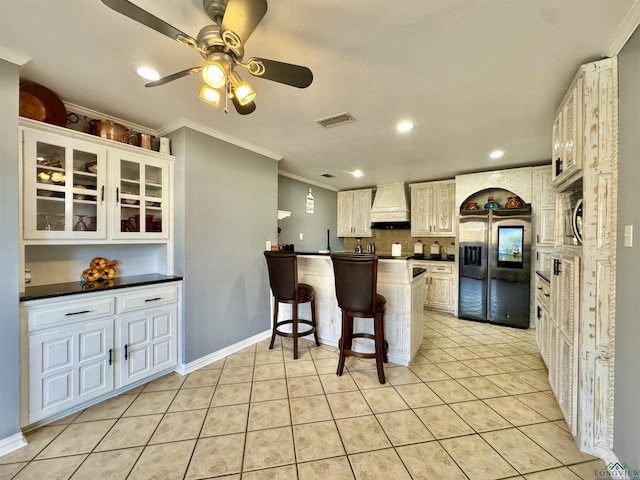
{"x": 403, "y": 290}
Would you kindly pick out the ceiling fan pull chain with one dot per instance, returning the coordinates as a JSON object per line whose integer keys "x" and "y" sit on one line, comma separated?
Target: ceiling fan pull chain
{"x": 226, "y": 97}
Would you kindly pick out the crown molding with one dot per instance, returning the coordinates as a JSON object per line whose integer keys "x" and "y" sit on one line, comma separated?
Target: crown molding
{"x": 625, "y": 30}
{"x": 183, "y": 122}
{"x": 13, "y": 57}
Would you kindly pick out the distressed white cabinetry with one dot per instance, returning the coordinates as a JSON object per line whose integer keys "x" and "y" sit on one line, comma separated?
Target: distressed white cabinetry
{"x": 543, "y": 319}
{"x": 565, "y": 309}
{"x": 433, "y": 210}
{"x": 543, "y": 206}
{"x": 543, "y": 213}
{"x": 354, "y": 213}
{"x": 566, "y": 134}
{"x": 78, "y": 349}
{"x": 583, "y": 291}
{"x": 440, "y": 285}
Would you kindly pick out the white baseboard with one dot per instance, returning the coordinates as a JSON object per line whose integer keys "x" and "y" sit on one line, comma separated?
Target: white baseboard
{"x": 14, "y": 442}
{"x": 184, "y": 369}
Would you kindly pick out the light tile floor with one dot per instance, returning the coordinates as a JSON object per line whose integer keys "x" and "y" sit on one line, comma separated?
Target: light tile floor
{"x": 475, "y": 403}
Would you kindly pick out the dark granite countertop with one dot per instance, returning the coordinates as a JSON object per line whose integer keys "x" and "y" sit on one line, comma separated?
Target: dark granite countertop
{"x": 545, "y": 275}
{"x": 382, "y": 256}
{"x": 74, "y": 288}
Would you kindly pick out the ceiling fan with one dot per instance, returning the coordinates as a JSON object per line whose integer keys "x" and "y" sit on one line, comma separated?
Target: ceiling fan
{"x": 222, "y": 46}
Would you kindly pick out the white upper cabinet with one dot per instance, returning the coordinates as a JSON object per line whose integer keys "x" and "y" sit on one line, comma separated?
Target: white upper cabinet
{"x": 433, "y": 210}
{"x": 354, "y": 213}
{"x": 544, "y": 206}
{"x": 140, "y": 189}
{"x": 78, "y": 187}
{"x": 567, "y": 134}
{"x": 65, "y": 185}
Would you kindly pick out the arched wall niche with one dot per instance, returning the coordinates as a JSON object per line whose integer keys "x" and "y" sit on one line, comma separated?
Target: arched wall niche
{"x": 514, "y": 180}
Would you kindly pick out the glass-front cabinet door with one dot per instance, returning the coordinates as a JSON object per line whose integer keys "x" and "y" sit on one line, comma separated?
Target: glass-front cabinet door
{"x": 141, "y": 192}
{"x": 64, "y": 188}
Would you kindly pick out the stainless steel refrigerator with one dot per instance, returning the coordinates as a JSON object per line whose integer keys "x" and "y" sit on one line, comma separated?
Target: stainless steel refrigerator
{"x": 495, "y": 265}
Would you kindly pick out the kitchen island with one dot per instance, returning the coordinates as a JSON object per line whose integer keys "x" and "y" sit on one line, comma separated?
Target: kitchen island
{"x": 403, "y": 317}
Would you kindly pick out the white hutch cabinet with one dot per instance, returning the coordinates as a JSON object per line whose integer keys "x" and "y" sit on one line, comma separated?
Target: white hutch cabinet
{"x": 84, "y": 196}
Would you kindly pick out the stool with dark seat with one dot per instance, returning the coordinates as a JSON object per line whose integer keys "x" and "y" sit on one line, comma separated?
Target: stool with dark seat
{"x": 356, "y": 280}
{"x": 283, "y": 278}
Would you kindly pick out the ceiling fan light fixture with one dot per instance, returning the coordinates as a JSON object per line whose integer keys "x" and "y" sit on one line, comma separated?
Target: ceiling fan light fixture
{"x": 245, "y": 93}
{"x": 214, "y": 75}
{"x": 242, "y": 90}
{"x": 210, "y": 95}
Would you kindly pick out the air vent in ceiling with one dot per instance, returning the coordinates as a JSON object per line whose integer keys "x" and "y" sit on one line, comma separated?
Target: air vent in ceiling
{"x": 327, "y": 175}
{"x": 336, "y": 120}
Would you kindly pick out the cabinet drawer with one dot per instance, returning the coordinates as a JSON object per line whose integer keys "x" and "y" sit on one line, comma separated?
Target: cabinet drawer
{"x": 148, "y": 298}
{"x": 63, "y": 313}
{"x": 543, "y": 296}
{"x": 440, "y": 268}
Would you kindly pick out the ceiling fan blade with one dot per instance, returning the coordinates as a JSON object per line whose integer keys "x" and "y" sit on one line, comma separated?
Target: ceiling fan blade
{"x": 175, "y": 76}
{"x": 287, "y": 73}
{"x": 242, "y": 17}
{"x": 243, "y": 109}
{"x": 134, "y": 12}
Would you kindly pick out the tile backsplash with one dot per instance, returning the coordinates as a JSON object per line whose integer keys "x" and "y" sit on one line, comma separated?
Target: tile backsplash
{"x": 384, "y": 238}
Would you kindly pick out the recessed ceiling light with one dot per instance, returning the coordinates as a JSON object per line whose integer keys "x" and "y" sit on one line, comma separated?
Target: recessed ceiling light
{"x": 357, "y": 173}
{"x": 496, "y": 154}
{"x": 147, "y": 73}
{"x": 404, "y": 126}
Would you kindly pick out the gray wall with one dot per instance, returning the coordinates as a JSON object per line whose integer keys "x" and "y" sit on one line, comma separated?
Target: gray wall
{"x": 626, "y": 438}
{"x": 225, "y": 212}
{"x": 9, "y": 181}
{"x": 292, "y": 196}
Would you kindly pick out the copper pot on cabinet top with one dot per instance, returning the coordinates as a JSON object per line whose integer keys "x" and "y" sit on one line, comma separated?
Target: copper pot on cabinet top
{"x": 142, "y": 140}
{"x": 110, "y": 130}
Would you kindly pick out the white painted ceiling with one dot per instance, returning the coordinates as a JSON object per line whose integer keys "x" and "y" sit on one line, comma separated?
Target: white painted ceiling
{"x": 474, "y": 75}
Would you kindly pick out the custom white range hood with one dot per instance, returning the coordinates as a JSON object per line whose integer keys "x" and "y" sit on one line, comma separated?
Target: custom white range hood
{"x": 391, "y": 206}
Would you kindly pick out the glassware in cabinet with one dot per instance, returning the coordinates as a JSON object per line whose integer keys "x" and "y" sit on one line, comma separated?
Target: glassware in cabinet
{"x": 64, "y": 187}
{"x": 141, "y": 196}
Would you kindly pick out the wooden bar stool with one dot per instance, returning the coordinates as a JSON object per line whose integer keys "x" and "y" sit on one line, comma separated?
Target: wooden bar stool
{"x": 356, "y": 279}
{"x": 283, "y": 278}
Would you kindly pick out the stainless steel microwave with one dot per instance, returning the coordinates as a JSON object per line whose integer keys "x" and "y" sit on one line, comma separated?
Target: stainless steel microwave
{"x": 572, "y": 218}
